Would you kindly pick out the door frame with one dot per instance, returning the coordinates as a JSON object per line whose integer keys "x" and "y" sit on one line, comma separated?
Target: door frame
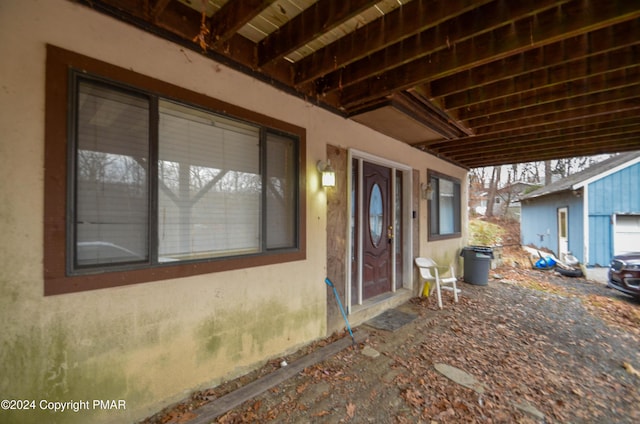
{"x": 407, "y": 228}
{"x": 563, "y": 210}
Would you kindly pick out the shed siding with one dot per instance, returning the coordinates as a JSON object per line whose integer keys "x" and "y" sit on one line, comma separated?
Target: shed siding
{"x": 576, "y": 227}
{"x": 540, "y": 218}
{"x": 600, "y": 241}
{"x": 618, "y": 193}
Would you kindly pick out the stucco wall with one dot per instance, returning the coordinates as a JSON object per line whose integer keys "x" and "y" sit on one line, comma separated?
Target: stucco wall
{"x": 148, "y": 344}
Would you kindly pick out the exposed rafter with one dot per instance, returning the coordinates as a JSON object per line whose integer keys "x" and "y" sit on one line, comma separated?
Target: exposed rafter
{"x": 387, "y": 31}
{"x": 322, "y": 16}
{"x": 545, "y": 28}
{"x": 477, "y": 82}
{"x": 226, "y": 22}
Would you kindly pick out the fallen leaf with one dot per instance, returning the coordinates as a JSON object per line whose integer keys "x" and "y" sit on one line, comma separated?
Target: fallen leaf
{"x": 627, "y": 366}
{"x": 321, "y": 413}
{"x": 301, "y": 388}
{"x": 351, "y": 409}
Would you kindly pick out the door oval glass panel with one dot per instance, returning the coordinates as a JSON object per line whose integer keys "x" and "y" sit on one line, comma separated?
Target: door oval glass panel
{"x": 375, "y": 214}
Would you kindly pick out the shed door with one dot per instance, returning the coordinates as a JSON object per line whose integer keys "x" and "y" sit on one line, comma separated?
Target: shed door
{"x": 626, "y": 233}
{"x": 563, "y": 232}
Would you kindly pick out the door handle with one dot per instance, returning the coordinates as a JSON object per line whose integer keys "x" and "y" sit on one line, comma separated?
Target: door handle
{"x": 390, "y": 233}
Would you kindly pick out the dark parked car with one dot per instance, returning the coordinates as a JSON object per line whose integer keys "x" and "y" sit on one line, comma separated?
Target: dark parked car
{"x": 624, "y": 273}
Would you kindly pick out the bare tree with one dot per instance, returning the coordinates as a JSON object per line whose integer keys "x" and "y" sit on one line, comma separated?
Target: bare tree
{"x": 493, "y": 189}
{"x": 547, "y": 172}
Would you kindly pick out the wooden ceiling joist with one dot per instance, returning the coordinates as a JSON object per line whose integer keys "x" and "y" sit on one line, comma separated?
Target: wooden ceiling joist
{"x": 158, "y": 8}
{"x": 603, "y": 85}
{"x": 321, "y": 17}
{"x": 567, "y": 150}
{"x": 514, "y": 78}
{"x": 572, "y": 106}
{"x": 551, "y": 143}
{"x": 540, "y": 133}
{"x": 488, "y": 81}
{"x": 385, "y": 32}
{"x": 445, "y": 35}
{"x": 548, "y": 27}
{"x": 232, "y": 16}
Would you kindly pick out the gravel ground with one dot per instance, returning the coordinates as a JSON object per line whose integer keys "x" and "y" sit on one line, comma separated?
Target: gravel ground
{"x": 546, "y": 349}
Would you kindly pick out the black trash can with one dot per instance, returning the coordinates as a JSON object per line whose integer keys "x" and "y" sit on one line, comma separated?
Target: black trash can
{"x": 477, "y": 262}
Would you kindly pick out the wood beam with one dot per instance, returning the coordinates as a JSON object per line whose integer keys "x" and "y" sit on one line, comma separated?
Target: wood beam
{"x": 320, "y": 17}
{"x": 403, "y": 22}
{"x": 441, "y": 37}
{"x": 548, "y": 27}
{"x": 626, "y": 96}
{"x": 632, "y": 130}
{"x": 563, "y": 116}
{"x": 232, "y": 16}
{"x": 569, "y": 149}
{"x": 598, "y": 84}
{"x": 428, "y": 115}
{"x": 541, "y": 131}
{"x": 563, "y": 73}
{"x": 158, "y": 9}
{"x": 594, "y": 46}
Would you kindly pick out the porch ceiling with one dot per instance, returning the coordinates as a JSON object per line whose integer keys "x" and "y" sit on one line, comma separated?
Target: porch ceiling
{"x": 477, "y": 83}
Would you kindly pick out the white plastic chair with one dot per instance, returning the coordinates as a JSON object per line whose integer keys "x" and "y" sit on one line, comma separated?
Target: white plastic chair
{"x": 429, "y": 273}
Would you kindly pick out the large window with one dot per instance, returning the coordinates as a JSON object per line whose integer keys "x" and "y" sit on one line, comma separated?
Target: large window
{"x": 161, "y": 186}
{"x": 444, "y": 206}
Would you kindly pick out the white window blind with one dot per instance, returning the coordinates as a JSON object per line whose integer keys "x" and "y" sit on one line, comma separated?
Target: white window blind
{"x": 281, "y": 192}
{"x": 209, "y": 199}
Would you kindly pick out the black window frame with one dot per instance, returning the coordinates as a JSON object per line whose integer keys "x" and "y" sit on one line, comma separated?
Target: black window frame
{"x": 433, "y": 206}
{"x": 64, "y": 70}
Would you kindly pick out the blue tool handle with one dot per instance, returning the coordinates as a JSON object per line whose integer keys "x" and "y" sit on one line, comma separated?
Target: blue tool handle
{"x": 344, "y": 315}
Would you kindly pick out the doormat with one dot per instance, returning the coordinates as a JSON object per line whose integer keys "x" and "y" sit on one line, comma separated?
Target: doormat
{"x": 391, "y": 320}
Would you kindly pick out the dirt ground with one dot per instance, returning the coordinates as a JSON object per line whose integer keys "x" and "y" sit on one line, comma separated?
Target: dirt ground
{"x": 546, "y": 348}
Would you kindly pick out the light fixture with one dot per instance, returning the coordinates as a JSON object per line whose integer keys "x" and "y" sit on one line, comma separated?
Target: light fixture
{"x": 328, "y": 174}
{"x": 427, "y": 191}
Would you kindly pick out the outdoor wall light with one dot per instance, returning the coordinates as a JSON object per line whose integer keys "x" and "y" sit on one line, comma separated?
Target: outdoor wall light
{"x": 427, "y": 191}
{"x": 328, "y": 174}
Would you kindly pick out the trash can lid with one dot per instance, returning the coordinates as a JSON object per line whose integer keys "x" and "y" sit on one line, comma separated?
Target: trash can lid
{"x": 483, "y": 249}
{"x": 478, "y": 249}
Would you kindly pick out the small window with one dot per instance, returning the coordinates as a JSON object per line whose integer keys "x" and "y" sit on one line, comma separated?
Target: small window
{"x": 444, "y": 207}
{"x": 161, "y": 187}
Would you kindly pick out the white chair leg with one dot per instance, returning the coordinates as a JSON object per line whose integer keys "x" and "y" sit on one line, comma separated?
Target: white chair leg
{"x": 439, "y": 295}
{"x": 455, "y": 292}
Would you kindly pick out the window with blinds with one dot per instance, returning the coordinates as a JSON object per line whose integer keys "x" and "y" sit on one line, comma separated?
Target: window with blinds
{"x": 444, "y": 207}
{"x": 157, "y": 181}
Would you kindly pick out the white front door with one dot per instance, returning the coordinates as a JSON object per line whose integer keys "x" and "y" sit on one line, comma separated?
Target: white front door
{"x": 563, "y": 232}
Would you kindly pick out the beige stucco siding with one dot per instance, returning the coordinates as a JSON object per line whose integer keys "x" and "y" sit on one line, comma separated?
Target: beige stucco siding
{"x": 148, "y": 344}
